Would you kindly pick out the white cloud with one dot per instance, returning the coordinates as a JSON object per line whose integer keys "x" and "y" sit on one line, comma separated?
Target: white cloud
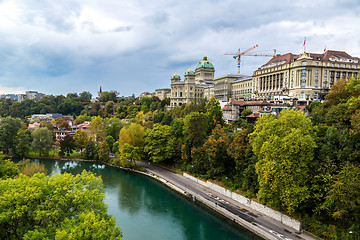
{"x": 135, "y": 46}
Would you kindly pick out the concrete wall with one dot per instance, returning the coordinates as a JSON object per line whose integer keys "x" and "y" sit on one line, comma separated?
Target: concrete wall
{"x": 286, "y": 220}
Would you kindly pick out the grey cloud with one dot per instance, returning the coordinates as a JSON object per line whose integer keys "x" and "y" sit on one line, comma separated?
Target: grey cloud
{"x": 57, "y": 17}
{"x": 122, "y": 29}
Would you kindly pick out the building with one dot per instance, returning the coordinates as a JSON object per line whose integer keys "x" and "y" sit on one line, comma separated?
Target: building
{"x": 163, "y": 93}
{"x": 193, "y": 85}
{"x": 242, "y": 88}
{"x": 232, "y": 110}
{"x": 305, "y": 77}
{"x": 30, "y": 95}
{"x": 201, "y": 83}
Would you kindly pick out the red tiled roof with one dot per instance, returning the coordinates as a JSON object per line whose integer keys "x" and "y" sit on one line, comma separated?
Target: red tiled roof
{"x": 253, "y": 115}
{"x": 250, "y": 103}
{"x": 289, "y": 57}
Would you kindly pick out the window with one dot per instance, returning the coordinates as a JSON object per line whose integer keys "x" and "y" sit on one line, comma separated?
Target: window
{"x": 325, "y": 64}
{"x": 317, "y": 64}
{"x": 317, "y": 72}
{"x": 180, "y": 94}
{"x": 316, "y": 84}
{"x": 333, "y": 65}
{"x": 325, "y": 72}
{"x": 190, "y": 88}
{"x": 316, "y": 95}
{"x": 303, "y": 63}
{"x": 302, "y": 95}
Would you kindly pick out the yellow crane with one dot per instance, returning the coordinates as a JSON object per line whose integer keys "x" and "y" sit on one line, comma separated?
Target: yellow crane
{"x": 237, "y": 55}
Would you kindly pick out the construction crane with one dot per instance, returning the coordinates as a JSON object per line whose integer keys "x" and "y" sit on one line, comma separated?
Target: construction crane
{"x": 237, "y": 55}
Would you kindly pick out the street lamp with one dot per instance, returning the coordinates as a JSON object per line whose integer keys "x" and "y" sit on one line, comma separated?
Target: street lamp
{"x": 355, "y": 233}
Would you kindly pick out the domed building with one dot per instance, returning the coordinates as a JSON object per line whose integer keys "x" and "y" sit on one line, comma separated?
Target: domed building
{"x": 194, "y": 84}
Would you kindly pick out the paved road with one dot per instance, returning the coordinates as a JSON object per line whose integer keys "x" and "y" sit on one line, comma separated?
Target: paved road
{"x": 275, "y": 228}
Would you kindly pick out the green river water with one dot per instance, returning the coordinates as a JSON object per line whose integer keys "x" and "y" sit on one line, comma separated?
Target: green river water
{"x": 147, "y": 210}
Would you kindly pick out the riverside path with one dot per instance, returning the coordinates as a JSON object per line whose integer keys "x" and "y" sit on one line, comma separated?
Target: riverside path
{"x": 276, "y": 229}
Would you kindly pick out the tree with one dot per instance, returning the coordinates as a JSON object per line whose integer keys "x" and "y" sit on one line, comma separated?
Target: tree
{"x": 8, "y": 129}
{"x": 67, "y": 146}
{"x": 82, "y": 118}
{"x": 156, "y": 140}
{"x": 80, "y": 139}
{"x": 90, "y": 151}
{"x": 23, "y": 142}
{"x": 343, "y": 199}
{"x": 42, "y": 140}
{"x": 284, "y": 146}
{"x": 134, "y": 136}
{"x": 7, "y": 168}
{"x": 51, "y": 207}
{"x": 195, "y": 125}
{"x": 85, "y": 96}
{"x": 128, "y": 154}
{"x": 28, "y": 168}
{"x": 110, "y": 141}
{"x": 216, "y": 150}
{"x": 104, "y": 151}
{"x": 98, "y": 129}
{"x": 214, "y": 114}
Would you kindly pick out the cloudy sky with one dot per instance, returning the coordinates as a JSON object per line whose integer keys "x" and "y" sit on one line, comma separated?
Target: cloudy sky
{"x": 132, "y": 46}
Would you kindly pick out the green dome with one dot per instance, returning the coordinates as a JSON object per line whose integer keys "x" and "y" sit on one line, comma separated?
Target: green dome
{"x": 189, "y": 71}
{"x": 205, "y": 64}
{"x": 175, "y": 75}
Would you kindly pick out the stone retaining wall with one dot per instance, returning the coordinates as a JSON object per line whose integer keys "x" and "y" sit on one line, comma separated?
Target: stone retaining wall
{"x": 286, "y": 220}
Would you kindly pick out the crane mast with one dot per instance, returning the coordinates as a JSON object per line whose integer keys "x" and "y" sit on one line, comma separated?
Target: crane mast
{"x": 237, "y": 55}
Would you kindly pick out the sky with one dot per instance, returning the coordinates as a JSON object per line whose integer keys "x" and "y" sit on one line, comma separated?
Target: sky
{"x": 134, "y": 46}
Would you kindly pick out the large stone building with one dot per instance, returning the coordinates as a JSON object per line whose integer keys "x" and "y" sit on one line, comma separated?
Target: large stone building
{"x": 30, "y": 95}
{"x": 287, "y": 78}
{"x": 201, "y": 83}
{"x": 305, "y": 77}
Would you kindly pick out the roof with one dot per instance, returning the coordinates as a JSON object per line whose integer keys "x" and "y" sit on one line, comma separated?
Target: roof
{"x": 326, "y": 56}
{"x": 175, "y": 75}
{"x": 250, "y": 103}
{"x": 189, "y": 71}
{"x": 205, "y": 64}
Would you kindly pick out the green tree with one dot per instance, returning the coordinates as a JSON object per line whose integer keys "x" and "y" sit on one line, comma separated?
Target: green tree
{"x": 134, "y": 136}
{"x": 85, "y": 96}
{"x": 216, "y": 151}
{"x": 8, "y": 129}
{"x": 90, "y": 151}
{"x": 23, "y": 142}
{"x": 98, "y": 129}
{"x": 195, "y": 125}
{"x": 343, "y": 199}
{"x": 104, "y": 151}
{"x": 128, "y": 154}
{"x": 284, "y": 146}
{"x": 214, "y": 114}
{"x": 80, "y": 139}
{"x": 67, "y": 146}
{"x": 110, "y": 141}
{"x": 44, "y": 207}
{"x": 7, "y": 168}
{"x": 42, "y": 140}
{"x": 82, "y": 118}
{"x": 156, "y": 140}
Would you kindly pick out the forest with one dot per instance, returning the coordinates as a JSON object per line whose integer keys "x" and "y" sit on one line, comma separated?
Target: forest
{"x": 304, "y": 165}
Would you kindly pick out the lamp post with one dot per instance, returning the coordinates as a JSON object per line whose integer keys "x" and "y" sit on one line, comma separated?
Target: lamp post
{"x": 355, "y": 233}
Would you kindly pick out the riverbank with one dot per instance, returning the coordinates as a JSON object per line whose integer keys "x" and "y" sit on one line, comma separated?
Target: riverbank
{"x": 250, "y": 220}
{"x": 253, "y": 221}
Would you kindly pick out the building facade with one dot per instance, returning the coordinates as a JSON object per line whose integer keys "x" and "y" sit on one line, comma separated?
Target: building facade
{"x": 30, "y": 95}
{"x": 193, "y": 85}
{"x": 305, "y": 77}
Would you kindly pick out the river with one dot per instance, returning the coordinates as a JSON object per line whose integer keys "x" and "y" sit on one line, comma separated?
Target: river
{"x": 147, "y": 210}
